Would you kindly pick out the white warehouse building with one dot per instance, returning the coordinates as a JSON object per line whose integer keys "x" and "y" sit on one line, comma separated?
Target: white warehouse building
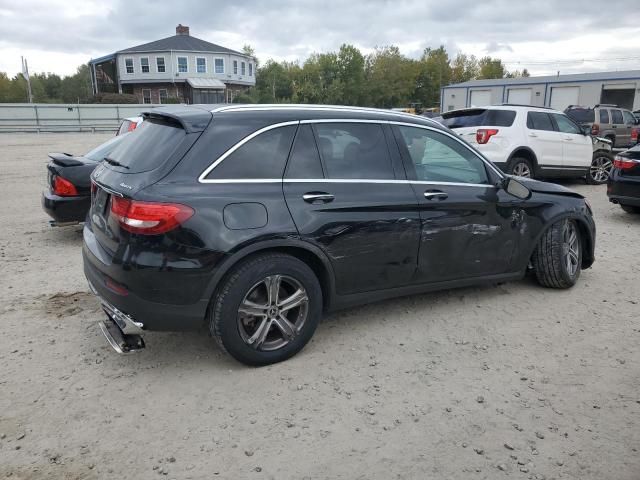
{"x": 557, "y": 91}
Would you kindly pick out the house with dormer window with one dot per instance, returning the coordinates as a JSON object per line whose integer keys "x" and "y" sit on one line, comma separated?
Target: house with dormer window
{"x": 181, "y": 66}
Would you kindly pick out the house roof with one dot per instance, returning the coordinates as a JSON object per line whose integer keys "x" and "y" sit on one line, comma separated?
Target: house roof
{"x": 180, "y": 42}
{"x": 578, "y": 77}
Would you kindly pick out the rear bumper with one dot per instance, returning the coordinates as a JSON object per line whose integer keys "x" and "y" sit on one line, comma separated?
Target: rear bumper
{"x": 65, "y": 209}
{"x": 132, "y": 311}
{"x": 624, "y": 189}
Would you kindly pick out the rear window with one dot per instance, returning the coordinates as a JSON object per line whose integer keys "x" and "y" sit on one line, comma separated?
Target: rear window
{"x": 148, "y": 146}
{"x": 479, "y": 118}
{"x": 581, "y": 115}
{"x": 103, "y": 150}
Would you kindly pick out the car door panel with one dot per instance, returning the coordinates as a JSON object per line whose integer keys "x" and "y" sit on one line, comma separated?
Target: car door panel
{"x": 368, "y": 228}
{"x": 468, "y": 228}
{"x": 545, "y": 141}
{"x": 577, "y": 148}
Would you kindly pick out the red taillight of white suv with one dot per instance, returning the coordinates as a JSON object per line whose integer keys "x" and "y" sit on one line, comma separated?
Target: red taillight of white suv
{"x": 635, "y": 132}
{"x": 149, "y": 218}
{"x": 484, "y": 134}
{"x": 595, "y": 129}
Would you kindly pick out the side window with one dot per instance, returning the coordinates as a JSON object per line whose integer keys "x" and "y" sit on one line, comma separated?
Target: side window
{"x": 264, "y": 156}
{"x": 604, "y": 116}
{"x": 616, "y": 117}
{"x": 304, "y": 161}
{"x": 565, "y": 125}
{"x": 354, "y": 150}
{"x": 539, "y": 121}
{"x": 629, "y": 119}
{"x": 437, "y": 157}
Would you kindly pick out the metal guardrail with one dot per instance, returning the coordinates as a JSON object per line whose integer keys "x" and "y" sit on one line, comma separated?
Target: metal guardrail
{"x": 44, "y": 117}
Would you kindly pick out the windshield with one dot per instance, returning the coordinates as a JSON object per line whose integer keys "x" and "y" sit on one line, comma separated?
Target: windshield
{"x": 104, "y": 149}
{"x": 148, "y": 146}
{"x": 479, "y": 117}
{"x": 581, "y": 115}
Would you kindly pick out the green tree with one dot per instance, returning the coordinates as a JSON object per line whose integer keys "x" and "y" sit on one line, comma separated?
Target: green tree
{"x": 433, "y": 71}
{"x": 491, "y": 68}
{"x": 350, "y": 64}
{"x": 390, "y": 76}
{"x": 464, "y": 68}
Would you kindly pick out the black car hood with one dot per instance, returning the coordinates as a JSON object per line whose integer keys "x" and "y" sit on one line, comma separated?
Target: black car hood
{"x": 545, "y": 187}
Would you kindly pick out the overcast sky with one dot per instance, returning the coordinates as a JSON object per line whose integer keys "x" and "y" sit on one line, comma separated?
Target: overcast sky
{"x": 544, "y": 36}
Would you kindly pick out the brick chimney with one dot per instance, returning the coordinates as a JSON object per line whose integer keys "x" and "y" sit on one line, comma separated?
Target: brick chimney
{"x": 182, "y": 30}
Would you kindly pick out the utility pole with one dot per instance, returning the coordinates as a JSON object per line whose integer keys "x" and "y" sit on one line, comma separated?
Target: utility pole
{"x": 25, "y": 74}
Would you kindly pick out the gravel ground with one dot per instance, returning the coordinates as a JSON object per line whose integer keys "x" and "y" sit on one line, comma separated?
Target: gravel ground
{"x": 512, "y": 381}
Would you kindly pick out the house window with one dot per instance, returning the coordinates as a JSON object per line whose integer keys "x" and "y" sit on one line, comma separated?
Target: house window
{"x": 128, "y": 64}
{"x": 163, "y": 95}
{"x": 242, "y": 70}
{"x": 201, "y": 65}
{"x": 146, "y": 95}
{"x": 250, "y": 69}
{"x": 219, "y": 64}
{"x": 144, "y": 64}
{"x": 235, "y": 67}
{"x": 182, "y": 65}
{"x": 160, "y": 68}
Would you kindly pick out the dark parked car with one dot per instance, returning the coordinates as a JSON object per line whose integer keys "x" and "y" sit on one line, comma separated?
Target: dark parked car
{"x": 624, "y": 182}
{"x": 254, "y": 220}
{"x": 67, "y": 197}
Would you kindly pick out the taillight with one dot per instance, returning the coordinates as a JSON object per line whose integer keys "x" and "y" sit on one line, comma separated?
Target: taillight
{"x": 595, "y": 129}
{"x": 634, "y": 134}
{"x": 132, "y": 126}
{"x": 63, "y": 187}
{"x": 94, "y": 187}
{"x": 149, "y": 218}
{"x": 484, "y": 134}
{"x": 624, "y": 163}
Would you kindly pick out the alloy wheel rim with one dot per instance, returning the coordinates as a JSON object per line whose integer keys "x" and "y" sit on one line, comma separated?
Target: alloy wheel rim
{"x": 273, "y": 312}
{"x": 571, "y": 248}
{"x": 601, "y": 169}
{"x": 522, "y": 170}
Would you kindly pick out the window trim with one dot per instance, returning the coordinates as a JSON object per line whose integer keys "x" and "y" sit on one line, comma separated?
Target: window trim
{"x": 178, "y": 64}
{"x": 164, "y": 64}
{"x": 142, "y": 66}
{"x": 243, "y": 69}
{"x": 250, "y": 69}
{"x": 215, "y": 72}
{"x": 205, "y": 64}
{"x": 133, "y": 66}
{"x": 235, "y": 67}
{"x": 160, "y": 95}
{"x": 203, "y": 176}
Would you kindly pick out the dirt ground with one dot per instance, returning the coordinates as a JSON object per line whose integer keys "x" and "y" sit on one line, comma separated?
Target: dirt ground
{"x": 510, "y": 381}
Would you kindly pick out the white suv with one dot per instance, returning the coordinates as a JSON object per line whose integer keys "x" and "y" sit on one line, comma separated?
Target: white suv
{"x": 526, "y": 141}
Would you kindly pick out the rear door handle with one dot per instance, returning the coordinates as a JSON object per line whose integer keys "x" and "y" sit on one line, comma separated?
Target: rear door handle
{"x": 430, "y": 195}
{"x": 532, "y": 134}
{"x": 317, "y": 197}
{"x": 568, "y": 138}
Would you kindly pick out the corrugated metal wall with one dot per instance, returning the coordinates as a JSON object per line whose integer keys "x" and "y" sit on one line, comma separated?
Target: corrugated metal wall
{"x": 42, "y": 117}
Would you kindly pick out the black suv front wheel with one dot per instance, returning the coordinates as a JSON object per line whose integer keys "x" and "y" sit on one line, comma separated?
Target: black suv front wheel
{"x": 558, "y": 257}
{"x": 267, "y": 309}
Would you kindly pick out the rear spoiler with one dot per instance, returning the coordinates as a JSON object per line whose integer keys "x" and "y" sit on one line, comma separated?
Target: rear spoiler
{"x": 65, "y": 159}
{"x": 191, "y": 118}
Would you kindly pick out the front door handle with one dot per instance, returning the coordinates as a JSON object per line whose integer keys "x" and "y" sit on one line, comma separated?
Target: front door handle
{"x": 531, "y": 134}
{"x": 317, "y": 197}
{"x": 431, "y": 194}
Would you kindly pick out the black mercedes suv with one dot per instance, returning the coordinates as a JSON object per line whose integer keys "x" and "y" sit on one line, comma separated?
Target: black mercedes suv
{"x": 255, "y": 219}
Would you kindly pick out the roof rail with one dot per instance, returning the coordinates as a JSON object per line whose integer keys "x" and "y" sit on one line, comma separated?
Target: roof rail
{"x": 606, "y": 105}
{"x": 523, "y": 105}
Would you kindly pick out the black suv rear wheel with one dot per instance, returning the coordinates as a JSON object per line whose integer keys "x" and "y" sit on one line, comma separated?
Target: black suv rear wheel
{"x": 267, "y": 309}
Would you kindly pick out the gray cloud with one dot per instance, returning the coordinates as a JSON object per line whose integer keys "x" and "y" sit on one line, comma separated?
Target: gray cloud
{"x": 296, "y": 28}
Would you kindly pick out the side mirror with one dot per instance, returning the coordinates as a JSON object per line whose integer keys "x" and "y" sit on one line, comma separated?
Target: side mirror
{"x": 517, "y": 189}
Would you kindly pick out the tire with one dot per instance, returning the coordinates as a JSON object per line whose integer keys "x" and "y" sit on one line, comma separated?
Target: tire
{"x": 243, "y": 308}
{"x": 630, "y": 209}
{"x": 550, "y": 260}
{"x": 600, "y": 169}
{"x": 521, "y": 167}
